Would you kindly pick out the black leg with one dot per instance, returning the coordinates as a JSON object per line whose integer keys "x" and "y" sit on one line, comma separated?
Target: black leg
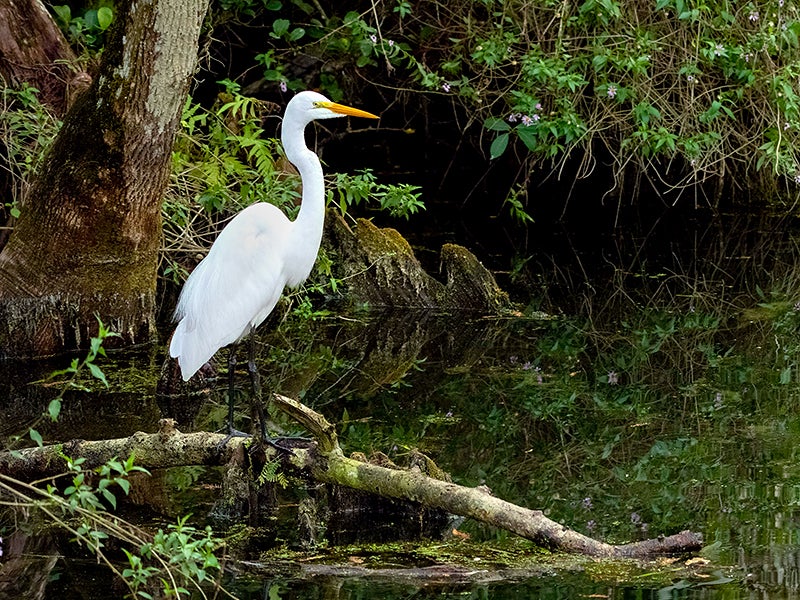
{"x": 231, "y": 386}
{"x": 255, "y": 379}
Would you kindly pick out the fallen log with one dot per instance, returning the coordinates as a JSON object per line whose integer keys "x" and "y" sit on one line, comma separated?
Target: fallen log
{"x": 327, "y": 464}
{"x": 324, "y": 461}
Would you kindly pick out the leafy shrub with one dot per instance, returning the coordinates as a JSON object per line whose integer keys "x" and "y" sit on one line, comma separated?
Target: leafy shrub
{"x": 687, "y": 90}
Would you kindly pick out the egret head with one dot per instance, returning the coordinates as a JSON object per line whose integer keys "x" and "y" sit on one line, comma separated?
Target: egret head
{"x": 310, "y": 106}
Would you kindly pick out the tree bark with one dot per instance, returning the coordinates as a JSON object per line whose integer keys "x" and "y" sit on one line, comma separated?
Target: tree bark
{"x": 33, "y": 51}
{"x": 325, "y": 462}
{"x": 87, "y": 240}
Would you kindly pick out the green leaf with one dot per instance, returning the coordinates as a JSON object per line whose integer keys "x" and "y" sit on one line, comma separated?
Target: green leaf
{"x": 280, "y": 27}
{"x": 499, "y": 146}
{"x": 296, "y": 34}
{"x": 64, "y": 13}
{"x": 36, "y": 437}
{"x": 104, "y": 17}
{"x": 529, "y": 137}
{"x": 125, "y": 485}
{"x": 97, "y": 373}
{"x": 110, "y": 498}
{"x": 94, "y": 345}
{"x": 54, "y": 409}
{"x": 496, "y": 124}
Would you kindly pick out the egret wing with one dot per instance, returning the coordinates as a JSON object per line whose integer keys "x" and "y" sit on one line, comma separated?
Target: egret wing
{"x": 232, "y": 289}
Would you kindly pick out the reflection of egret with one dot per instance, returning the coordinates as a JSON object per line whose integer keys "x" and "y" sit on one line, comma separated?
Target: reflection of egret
{"x": 258, "y": 254}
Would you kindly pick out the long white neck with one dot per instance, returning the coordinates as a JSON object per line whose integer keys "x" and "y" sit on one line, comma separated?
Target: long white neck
{"x": 306, "y": 233}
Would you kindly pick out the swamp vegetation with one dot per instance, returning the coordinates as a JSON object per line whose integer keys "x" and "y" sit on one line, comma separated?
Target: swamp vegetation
{"x": 626, "y": 171}
{"x": 624, "y": 420}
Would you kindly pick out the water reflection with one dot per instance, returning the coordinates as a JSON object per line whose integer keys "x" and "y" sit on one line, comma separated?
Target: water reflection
{"x": 629, "y": 420}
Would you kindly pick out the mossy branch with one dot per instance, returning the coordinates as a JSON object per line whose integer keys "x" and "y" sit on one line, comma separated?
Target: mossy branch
{"x": 326, "y": 463}
{"x": 331, "y": 466}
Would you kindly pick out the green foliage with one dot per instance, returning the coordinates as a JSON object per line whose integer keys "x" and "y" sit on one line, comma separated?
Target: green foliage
{"x": 74, "y": 380}
{"x": 176, "y": 561}
{"x": 27, "y": 129}
{"x": 77, "y": 366}
{"x": 88, "y": 28}
{"x": 271, "y": 473}
{"x": 190, "y": 551}
{"x": 710, "y": 83}
{"x": 349, "y": 191}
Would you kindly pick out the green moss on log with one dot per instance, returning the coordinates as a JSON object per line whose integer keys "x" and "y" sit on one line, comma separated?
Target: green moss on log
{"x": 380, "y": 269}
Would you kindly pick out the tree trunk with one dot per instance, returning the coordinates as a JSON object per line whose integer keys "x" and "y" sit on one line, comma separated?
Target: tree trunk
{"x": 87, "y": 241}
{"x": 33, "y": 51}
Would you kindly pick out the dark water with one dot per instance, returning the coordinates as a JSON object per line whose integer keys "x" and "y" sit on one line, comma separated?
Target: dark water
{"x": 662, "y": 400}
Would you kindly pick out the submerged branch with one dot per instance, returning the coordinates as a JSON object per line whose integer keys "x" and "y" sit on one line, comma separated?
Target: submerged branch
{"x": 325, "y": 462}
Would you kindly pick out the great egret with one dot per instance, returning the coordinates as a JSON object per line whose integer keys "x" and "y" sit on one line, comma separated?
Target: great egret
{"x": 257, "y": 255}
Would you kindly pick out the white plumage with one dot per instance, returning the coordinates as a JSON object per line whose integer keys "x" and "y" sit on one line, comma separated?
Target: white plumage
{"x": 259, "y": 253}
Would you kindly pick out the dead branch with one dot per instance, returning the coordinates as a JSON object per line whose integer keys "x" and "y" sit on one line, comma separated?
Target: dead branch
{"x": 167, "y": 448}
{"x": 477, "y": 503}
{"x": 325, "y": 462}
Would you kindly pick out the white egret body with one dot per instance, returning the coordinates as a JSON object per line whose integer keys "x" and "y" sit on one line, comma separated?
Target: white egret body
{"x": 258, "y": 254}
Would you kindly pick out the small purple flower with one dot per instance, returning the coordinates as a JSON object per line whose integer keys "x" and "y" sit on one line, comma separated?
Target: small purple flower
{"x": 636, "y": 519}
{"x": 786, "y": 126}
{"x": 527, "y": 121}
{"x": 538, "y": 106}
{"x": 373, "y": 38}
{"x": 449, "y": 414}
{"x": 591, "y": 525}
{"x": 283, "y": 86}
{"x": 613, "y": 378}
{"x": 446, "y": 87}
{"x": 526, "y": 366}
{"x": 538, "y": 371}
{"x": 753, "y": 16}
{"x": 612, "y": 91}
{"x": 390, "y": 42}
{"x": 513, "y": 117}
{"x": 512, "y": 359}
{"x": 718, "y": 50}
{"x": 587, "y": 503}
{"x": 690, "y": 78}
{"x": 797, "y": 178}
{"x": 796, "y": 308}
{"x": 535, "y": 117}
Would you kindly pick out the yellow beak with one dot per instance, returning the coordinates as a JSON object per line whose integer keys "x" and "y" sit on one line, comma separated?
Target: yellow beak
{"x": 347, "y": 110}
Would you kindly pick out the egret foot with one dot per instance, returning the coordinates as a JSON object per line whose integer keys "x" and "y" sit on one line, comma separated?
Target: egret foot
{"x": 232, "y": 433}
